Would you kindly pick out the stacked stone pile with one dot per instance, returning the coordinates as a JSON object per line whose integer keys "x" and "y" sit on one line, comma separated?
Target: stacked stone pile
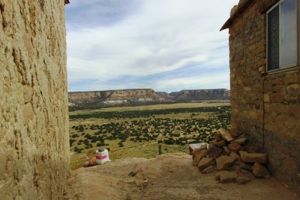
{"x": 90, "y": 161}
{"x": 230, "y": 158}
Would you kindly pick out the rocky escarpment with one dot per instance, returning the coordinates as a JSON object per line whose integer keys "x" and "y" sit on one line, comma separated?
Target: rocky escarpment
{"x": 142, "y": 96}
{"x": 212, "y": 94}
{"x": 115, "y": 97}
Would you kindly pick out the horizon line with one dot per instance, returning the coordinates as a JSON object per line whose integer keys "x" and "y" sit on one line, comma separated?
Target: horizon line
{"x": 78, "y": 91}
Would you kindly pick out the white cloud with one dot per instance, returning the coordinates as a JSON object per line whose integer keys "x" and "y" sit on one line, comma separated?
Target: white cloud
{"x": 161, "y": 36}
{"x": 219, "y": 80}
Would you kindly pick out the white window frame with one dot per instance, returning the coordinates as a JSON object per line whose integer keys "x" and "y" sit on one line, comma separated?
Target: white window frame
{"x": 282, "y": 68}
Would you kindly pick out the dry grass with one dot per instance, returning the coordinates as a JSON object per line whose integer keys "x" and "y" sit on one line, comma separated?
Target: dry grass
{"x": 154, "y": 107}
{"x": 130, "y": 149}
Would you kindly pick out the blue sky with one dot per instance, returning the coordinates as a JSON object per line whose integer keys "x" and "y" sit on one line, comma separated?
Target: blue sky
{"x": 166, "y": 45}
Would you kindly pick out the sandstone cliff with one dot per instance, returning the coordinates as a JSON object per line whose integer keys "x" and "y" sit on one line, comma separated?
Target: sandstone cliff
{"x": 142, "y": 96}
{"x": 34, "y": 149}
{"x": 212, "y": 94}
{"x": 115, "y": 97}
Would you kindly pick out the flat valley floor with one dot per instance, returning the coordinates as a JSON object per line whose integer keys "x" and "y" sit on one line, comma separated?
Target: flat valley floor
{"x": 138, "y": 131}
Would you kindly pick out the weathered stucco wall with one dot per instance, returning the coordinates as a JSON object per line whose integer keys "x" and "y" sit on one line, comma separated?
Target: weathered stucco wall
{"x": 264, "y": 106}
{"x": 34, "y": 149}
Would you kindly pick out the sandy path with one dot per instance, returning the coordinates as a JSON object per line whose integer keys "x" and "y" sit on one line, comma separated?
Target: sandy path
{"x": 167, "y": 177}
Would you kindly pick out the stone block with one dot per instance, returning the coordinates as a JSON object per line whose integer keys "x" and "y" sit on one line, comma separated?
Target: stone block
{"x": 260, "y": 171}
{"x": 220, "y": 143}
{"x": 204, "y": 163}
{"x": 198, "y": 155}
{"x": 241, "y": 140}
{"x": 227, "y": 176}
{"x": 234, "y": 146}
{"x": 226, "y": 135}
{"x": 226, "y": 162}
{"x": 253, "y": 157}
{"x": 214, "y": 151}
{"x": 193, "y": 147}
{"x": 208, "y": 170}
{"x": 266, "y": 98}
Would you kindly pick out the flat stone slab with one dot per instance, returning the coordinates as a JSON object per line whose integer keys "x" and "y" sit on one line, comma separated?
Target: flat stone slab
{"x": 193, "y": 147}
{"x": 241, "y": 141}
{"x": 204, "y": 163}
{"x": 253, "y": 157}
{"x": 226, "y": 162}
{"x": 227, "y": 177}
{"x": 226, "y": 135}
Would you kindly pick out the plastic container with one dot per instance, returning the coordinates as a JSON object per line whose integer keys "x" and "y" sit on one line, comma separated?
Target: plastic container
{"x": 102, "y": 156}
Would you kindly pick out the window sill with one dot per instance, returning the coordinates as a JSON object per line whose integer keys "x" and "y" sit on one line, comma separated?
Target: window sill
{"x": 276, "y": 71}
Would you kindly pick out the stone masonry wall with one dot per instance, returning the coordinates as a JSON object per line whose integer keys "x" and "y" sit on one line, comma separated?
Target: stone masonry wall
{"x": 264, "y": 106}
{"x": 34, "y": 144}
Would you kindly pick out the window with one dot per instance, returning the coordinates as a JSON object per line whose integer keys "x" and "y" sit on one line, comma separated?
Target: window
{"x": 282, "y": 39}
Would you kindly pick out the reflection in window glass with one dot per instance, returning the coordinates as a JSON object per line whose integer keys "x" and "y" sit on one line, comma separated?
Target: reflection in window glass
{"x": 288, "y": 33}
{"x": 273, "y": 39}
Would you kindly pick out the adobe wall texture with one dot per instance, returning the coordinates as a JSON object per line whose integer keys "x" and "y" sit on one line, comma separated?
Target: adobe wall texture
{"x": 265, "y": 107}
{"x": 34, "y": 145}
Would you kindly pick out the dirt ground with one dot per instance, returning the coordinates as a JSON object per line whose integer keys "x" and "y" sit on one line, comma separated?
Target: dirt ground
{"x": 167, "y": 177}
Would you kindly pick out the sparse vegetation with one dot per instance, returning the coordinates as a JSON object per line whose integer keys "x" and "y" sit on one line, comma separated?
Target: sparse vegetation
{"x": 143, "y": 129}
{"x": 141, "y": 113}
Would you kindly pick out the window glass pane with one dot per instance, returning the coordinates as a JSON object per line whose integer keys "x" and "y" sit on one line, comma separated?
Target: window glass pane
{"x": 273, "y": 39}
{"x": 288, "y": 33}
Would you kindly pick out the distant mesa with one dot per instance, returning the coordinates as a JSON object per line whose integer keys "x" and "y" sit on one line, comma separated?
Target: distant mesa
{"x": 142, "y": 97}
{"x": 194, "y": 95}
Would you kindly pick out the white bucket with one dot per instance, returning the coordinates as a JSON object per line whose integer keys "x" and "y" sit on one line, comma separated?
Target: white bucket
{"x": 102, "y": 156}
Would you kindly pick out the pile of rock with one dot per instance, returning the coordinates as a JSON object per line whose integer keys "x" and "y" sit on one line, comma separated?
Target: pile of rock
{"x": 90, "y": 161}
{"x": 230, "y": 158}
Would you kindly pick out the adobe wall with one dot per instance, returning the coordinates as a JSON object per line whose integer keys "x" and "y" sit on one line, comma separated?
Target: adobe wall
{"x": 34, "y": 144}
{"x": 265, "y": 107}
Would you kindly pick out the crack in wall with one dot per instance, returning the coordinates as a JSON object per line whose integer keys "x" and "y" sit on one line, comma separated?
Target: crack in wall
{"x": 4, "y": 23}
